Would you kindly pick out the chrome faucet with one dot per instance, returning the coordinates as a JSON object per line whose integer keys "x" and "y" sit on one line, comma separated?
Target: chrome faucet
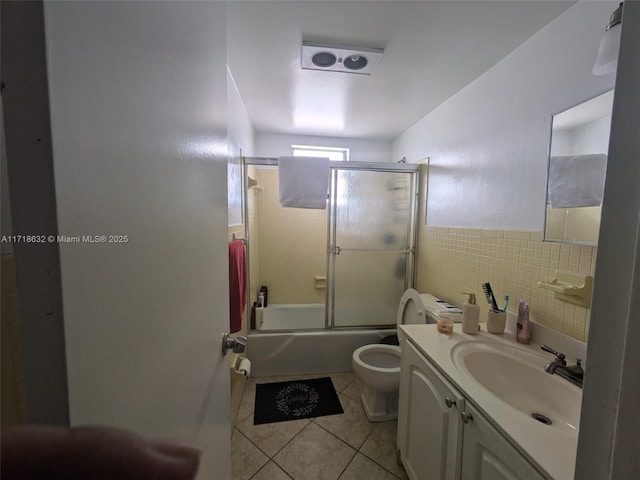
{"x": 572, "y": 373}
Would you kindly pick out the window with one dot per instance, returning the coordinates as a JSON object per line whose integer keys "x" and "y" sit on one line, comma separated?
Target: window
{"x": 333, "y": 153}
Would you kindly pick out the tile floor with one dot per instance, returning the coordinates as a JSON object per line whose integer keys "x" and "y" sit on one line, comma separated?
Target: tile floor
{"x": 345, "y": 447}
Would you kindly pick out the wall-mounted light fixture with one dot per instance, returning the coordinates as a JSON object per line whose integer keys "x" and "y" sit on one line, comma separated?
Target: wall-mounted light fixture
{"x": 340, "y": 59}
{"x": 607, "y": 59}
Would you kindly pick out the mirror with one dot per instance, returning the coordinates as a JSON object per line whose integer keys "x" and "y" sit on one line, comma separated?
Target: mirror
{"x": 576, "y": 171}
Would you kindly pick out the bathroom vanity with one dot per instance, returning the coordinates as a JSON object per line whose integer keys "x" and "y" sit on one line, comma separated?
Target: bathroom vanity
{"x": 466, "y": 406}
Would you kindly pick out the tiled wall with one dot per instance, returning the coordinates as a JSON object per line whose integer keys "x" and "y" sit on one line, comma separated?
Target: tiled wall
{"x": 291, "y": 244}
{"x": 455, "y": 260}
{"x": 574, "y": 224}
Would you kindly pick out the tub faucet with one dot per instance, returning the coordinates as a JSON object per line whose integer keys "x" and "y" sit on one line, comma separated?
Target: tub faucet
{"x": 572, "y": 373}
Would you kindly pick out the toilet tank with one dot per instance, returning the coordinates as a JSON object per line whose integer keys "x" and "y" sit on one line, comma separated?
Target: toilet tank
{"x": 434, "y": 308}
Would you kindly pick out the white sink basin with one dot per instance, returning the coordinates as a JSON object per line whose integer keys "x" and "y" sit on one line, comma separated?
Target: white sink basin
{"x": 516, "y": 377}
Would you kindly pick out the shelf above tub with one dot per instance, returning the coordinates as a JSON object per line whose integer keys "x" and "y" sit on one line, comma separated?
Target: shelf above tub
{"x": 570, "y": 287}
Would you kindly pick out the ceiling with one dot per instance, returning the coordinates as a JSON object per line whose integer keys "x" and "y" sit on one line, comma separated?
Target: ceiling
{"x": 432, "y": 49}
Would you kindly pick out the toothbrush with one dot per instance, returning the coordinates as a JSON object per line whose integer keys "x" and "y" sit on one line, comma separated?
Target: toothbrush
{"x": 506, "y": 299}
{"x": 491, "y": 300}
{"x": 486, "y": 294}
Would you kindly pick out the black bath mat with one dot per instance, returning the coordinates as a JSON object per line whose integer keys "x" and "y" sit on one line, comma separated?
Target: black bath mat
{"x": 282, "y": 401}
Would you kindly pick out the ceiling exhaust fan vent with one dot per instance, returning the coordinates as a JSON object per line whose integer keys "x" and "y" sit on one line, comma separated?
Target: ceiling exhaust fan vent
{"x": 324, "y": 59}
{"x": 340, "y": 59}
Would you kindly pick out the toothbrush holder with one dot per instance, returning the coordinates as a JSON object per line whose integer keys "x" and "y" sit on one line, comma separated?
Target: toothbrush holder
{"x": 496, "y": 321}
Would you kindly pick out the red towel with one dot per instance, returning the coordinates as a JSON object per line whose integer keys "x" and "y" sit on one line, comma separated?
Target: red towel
{"x": 237, "y": 285}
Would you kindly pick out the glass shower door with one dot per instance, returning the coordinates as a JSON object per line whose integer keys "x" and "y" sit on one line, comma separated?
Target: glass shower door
{"x": 371, "y": 245}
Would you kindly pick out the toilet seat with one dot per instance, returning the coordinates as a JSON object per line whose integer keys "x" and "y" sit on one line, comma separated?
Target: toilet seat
{"x": 378, "y": 358}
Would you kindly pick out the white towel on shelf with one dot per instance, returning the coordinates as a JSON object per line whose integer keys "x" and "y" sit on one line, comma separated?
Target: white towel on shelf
{"x": 576, "y": 180}
{"x": 304, "y": 182}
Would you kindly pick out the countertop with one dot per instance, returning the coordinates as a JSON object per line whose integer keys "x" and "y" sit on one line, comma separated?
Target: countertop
{"x": 551, "y": 450}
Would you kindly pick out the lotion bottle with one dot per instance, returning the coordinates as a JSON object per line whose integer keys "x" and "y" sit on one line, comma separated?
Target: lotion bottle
{"x": 470, "y": 315}
{"x": 523, "y": 334}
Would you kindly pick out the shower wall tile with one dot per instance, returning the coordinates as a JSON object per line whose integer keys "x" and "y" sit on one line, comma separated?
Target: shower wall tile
{"x": 454, "y": 260}
{"x": 292, "y": 245}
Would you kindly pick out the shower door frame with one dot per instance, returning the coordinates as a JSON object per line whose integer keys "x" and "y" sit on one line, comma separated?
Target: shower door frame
{"x": 333, "y": 250}
{"x": 411, "y": 252}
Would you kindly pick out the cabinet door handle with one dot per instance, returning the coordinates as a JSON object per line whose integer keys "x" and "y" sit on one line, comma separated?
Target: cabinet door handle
{"x": 466, "y": 417}
{"x": 450, "y": 403}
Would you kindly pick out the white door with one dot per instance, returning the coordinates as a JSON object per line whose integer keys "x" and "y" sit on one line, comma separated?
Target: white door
{"x": 138, "y": 108}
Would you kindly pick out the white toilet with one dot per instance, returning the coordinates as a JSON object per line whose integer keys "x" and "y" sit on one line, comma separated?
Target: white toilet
{"x": 378, "y": 365}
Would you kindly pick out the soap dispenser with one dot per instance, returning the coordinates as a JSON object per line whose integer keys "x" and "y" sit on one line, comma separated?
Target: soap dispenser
{"x": 470, "y": 315}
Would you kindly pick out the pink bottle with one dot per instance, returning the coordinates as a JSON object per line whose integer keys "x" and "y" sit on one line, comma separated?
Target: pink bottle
{"x": 523, "y": 334}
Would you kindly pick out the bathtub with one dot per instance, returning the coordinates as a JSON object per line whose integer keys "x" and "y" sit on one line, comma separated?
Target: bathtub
{"x": 297, "y": 353}
{"x": 277, "y": 348}
{"x": 291, "y": 317}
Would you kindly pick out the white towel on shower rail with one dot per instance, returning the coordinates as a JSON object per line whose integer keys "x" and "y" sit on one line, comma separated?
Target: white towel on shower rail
{"x": 304, "y": 182}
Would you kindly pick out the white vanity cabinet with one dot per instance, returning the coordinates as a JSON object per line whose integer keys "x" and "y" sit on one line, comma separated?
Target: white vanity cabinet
{"x": 441, "y": 436}
{"x": 487, "y": 455}
{"x": 429, "y": 422}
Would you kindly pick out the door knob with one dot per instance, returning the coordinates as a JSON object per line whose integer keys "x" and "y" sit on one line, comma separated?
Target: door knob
{"x": 450, "y": 403}
{"x": 237, "y": 345}
{"x": 466, "y": 417}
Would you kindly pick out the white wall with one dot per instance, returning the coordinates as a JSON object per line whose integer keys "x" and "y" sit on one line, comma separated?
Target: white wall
{"x": 362, "y": 150}
{"x": 240, "y": 136}
{"x": 593, "y": 137}
{"x": 240, "y": 129}
{"x": 488, "y": 144}
{"x": 590, "y": 138}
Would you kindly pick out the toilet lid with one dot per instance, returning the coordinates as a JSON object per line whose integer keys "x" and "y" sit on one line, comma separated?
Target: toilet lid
{"x": 411, "y": 309}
